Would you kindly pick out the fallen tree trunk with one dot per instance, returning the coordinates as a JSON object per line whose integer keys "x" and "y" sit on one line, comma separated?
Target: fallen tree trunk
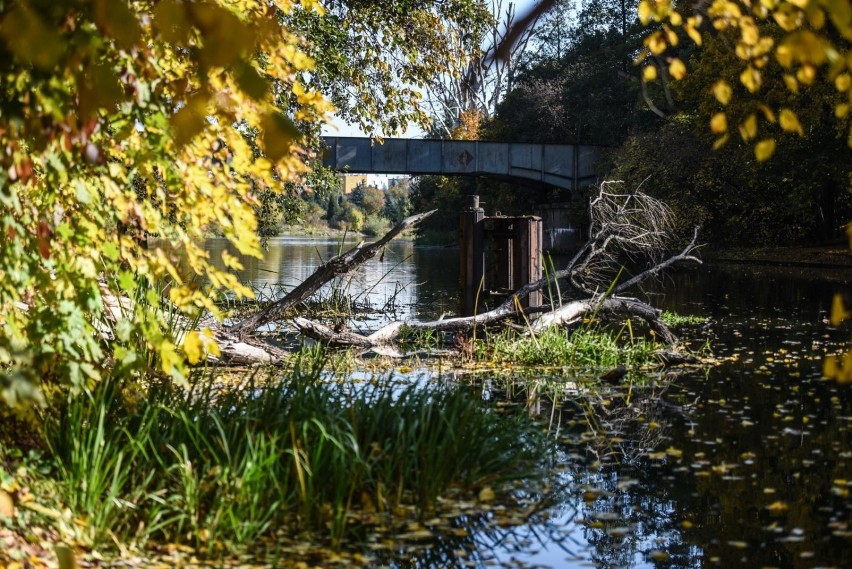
{"x": 341, "y": 264}
{"x": 570, "y": 313}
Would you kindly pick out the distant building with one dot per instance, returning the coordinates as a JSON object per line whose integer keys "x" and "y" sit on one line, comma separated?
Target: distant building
{"x": 349, "y": 182}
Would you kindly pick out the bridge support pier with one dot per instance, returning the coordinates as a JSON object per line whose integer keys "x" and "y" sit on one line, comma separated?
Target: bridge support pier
{"x": 515, "y": 253}
{"x": 472, "y": 256}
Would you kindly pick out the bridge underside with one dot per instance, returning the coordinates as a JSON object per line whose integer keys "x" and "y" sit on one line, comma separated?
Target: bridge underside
{"x": 564, "y": 166}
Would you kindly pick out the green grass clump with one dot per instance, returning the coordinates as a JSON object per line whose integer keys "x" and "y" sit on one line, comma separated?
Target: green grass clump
{"x": 673, "y": 319}
{"x": 221, "y": 467}
{"x": 583, "y": 348}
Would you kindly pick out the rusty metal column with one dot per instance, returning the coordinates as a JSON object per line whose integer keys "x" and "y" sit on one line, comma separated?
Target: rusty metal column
{"x": 471, "y": 255}
{"x": 528, "y": 257}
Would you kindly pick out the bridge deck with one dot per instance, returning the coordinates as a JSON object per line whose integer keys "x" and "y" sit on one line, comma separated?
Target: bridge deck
{"x": 561, "y": 165}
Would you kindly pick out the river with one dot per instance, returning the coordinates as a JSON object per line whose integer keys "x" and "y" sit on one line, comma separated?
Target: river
{"x": 746, "y": 464}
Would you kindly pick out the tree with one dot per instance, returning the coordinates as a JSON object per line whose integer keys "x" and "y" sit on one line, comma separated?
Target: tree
{"x": 398, "y": 202}
{"x": 116, "y": 124}
{"x": 374, "y": 57}
{"x": 803, "y": 42}
{"x": 479, "y": 81}
{"x": 373, "y": 201}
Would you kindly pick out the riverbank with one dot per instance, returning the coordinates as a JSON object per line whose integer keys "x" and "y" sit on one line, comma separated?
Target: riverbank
{"x": 835, "y": 256}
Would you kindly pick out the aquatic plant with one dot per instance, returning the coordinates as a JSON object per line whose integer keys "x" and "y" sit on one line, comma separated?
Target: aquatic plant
{"x": 583, "y": 348}
{"x": 217, "y": 466}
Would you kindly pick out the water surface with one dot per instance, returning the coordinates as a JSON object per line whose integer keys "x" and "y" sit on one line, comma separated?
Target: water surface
{"x": 745, "y": 464}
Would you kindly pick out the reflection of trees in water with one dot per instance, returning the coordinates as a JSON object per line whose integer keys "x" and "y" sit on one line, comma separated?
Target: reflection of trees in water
{"x": 606, "y": 434}
{"x": 477, "y": 541}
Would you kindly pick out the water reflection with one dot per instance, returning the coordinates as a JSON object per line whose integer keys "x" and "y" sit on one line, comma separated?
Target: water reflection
{"x": 747, "y": 464}
{"x": 403, "y": 281}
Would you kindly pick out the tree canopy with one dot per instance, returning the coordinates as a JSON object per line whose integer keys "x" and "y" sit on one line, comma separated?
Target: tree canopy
{"x": 802, "y": 42}
{"x": 121, "y": 120}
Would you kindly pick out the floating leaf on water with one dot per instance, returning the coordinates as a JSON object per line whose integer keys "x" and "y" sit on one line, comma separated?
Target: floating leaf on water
{"x": 777, "y": 507}
{"x": 420, "y": 534}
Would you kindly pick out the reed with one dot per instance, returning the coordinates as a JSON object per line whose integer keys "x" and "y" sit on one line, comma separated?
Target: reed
{"x": 219, "y": 467}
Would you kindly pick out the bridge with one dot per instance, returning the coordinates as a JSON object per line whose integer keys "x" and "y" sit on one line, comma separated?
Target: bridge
{"x": 564, "y": 166}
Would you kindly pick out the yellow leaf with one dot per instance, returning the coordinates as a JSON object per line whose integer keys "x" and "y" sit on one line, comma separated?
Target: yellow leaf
{"x": 806, "y": 74}
{"x": 764, "y": 149}
{"x": 656, "y": 42}
{"x": 7, "y": 505}
{"x": 65, "y": 556}
{"x": 675, "y": 19}
{"x": 193, "y": 347}
{"x": 722, "y": 91}
{"x": 767, "y": 112}
{"x": 649, "y": 73}
{"x": 692, "y": 25}
{"x": 29, "y": 38}
{"x": 791, "y": 82}
{"x": 749, "y": 32}
{"x": 790, "y": 122}
{"x": 838, "y": 311}
{"x": 645, "y": 12}
{"x": 280, "y": 136}
{"x": 210, "y": 344}
{"x": 777, "y": 507}
{"x": 719, "y": 123}
{"x": 720, "y": 142}
{"x": 190, "y": 119}
{"x": 748, "y": 128}
{"x": 784, "y": 55}
{"x": 671, "y": 36}
{"x": 118, "y": 21}
{"x": 840, "y": 12}
{"x": 677, "y": 69}
{"x": 843, "y": 82}
{"x": 751, "y": 79}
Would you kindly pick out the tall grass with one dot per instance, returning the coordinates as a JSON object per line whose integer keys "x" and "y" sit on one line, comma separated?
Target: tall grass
{"x": 212, "y": 466}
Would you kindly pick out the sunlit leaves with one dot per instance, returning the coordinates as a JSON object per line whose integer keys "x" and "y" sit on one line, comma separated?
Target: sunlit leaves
{"x": 677, "y": 69}
{"x": 719, "y": 123}
{"x": 764, "y": 149}
{"x": 748, "y": 127}
{"x": 722, "y": 91}
{"x": 116, "y": 124}
{"x": 807, "y": 48}
{"x": 790, "y": 122}
{"x": 751, "y": 79}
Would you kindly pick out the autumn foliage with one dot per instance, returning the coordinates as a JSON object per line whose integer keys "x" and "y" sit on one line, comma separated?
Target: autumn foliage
{"x": 123, "y": 122}
{"x": 804, "y": 41}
